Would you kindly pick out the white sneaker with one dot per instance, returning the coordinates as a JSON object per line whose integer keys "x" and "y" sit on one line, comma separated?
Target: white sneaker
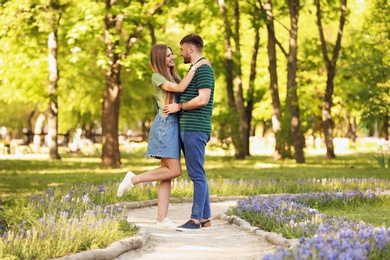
{"x": 166, "y": 223}
{"x": 125, "y": 184}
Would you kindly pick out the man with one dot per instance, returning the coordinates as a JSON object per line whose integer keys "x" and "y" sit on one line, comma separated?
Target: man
{"x": 196, "y": 104}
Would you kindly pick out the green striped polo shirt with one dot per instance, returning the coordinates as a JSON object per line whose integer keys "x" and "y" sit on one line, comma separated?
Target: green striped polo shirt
{"x": 198, "y": 120}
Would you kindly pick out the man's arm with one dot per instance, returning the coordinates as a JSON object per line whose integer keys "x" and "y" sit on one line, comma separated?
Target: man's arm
{"x": 200, "y": 100}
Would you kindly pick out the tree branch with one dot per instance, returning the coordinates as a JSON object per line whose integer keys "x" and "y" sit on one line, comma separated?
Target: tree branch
{"x": 321, "y": 32}
{"x": 133, "y": 37}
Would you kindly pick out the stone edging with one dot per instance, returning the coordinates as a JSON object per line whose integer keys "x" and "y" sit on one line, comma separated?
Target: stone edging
{"x": 270, "y": 237}
{"x": 113, "y": 250}
{"x": 119, "y": 247}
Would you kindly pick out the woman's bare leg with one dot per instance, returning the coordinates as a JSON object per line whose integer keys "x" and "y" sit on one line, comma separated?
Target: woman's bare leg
{"x": 164, "y": 194}
{"x": 164, "y": 188}
{"x": 170, "y": 169}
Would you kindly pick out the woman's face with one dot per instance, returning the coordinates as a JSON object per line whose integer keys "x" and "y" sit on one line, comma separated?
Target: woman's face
{"x": 169, "y": 59}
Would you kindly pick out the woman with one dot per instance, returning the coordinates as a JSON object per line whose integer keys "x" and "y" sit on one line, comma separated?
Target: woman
{"x": 164, "y": 134}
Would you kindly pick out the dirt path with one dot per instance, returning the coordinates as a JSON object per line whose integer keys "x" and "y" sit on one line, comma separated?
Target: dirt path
{"x": 221, "y": 241}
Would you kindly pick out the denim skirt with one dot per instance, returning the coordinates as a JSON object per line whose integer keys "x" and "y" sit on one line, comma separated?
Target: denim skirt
{"x": 164, "y": 137}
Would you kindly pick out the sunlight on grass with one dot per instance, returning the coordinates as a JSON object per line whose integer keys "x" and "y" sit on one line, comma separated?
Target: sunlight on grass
{"x": 29, "y": 176}
{"x": 266, "y": 165}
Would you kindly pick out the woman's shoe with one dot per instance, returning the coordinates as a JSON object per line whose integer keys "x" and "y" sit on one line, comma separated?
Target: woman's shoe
{"x": 166, "y": 223}
{"x": 125, "y": 184}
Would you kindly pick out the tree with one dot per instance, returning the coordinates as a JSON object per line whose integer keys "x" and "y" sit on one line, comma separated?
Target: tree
{"x": 365, "y": 70}
{"x": 119, "y": 41}
{"x": 292, "y": 97}
{"x": 273, "y": 85}
{"x": 331, "y": 73}
{"x": 240, "y": 103}
{"x": 53, "y": 79}
{"x": 34, "y": 21}
{"x": 254, "y": 95}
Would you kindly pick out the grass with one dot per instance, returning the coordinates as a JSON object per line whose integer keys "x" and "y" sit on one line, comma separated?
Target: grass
{"x": 377, "y": 214}
{"x": 76, "y": 187}
{"x": 23, "y": 177}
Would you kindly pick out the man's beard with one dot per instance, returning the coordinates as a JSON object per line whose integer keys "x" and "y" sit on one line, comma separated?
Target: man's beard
{"x": 187, "y": 60}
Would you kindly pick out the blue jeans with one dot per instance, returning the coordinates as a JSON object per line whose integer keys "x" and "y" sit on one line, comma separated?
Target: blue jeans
{"x": 194, "y": 148}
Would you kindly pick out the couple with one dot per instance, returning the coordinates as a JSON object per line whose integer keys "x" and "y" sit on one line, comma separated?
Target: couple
{"x": 192, "y": 110}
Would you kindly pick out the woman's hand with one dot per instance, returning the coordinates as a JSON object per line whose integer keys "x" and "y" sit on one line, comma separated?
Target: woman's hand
{"x": 171, "y": 108}
{"x": 202, "y": 62}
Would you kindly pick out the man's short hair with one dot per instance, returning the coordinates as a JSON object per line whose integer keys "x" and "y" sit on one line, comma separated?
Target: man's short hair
{"x": 193, "y": 39}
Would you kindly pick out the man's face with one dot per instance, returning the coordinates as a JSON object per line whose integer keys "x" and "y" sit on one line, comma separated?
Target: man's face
{"x": 185, "y": 52}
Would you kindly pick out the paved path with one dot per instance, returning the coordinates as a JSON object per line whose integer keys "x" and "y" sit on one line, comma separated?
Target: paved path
{"x": 221, "y": 241}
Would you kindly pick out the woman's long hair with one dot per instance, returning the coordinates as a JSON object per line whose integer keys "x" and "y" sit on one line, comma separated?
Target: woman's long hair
{"x": 158, "y": 55}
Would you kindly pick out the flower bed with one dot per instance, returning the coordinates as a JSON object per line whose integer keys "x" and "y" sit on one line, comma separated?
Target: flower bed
{"x": 71, "y": 219}
{"x": 321, "y": 236}
{"x": 57, "y": 223}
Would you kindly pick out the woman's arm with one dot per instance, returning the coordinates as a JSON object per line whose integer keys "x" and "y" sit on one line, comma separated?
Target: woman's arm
{"x": 180, "y": 87}
{"x": 199, "y": 101}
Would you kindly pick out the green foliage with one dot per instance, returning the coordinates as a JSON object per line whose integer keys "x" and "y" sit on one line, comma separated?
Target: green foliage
{"x": 383, "y": 159}
{"x": 366, "y": 71}
{"x": 360, "y": 86}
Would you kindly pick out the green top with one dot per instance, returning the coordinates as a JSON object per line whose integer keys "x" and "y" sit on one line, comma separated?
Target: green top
{"x": 198, "y": 120}
{"x": 159, "y": 93}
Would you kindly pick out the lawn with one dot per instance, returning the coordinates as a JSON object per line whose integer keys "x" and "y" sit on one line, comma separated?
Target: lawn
{"x": 28, "y": 176}
{"x": 72, "y": 192}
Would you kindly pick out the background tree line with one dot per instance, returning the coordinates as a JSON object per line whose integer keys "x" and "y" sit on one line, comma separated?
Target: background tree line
{"x": 292, "y": 67}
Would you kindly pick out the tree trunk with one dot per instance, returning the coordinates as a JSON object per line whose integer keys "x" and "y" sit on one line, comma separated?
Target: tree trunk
{"x": 352, "y": 129}
{"x": 111, "y": 105}
{"x": 228, "y": 54}
{"x": 274, "y": 88}
{"x": 110, "y": 118}
{"x": 234, "y": 114}
{"x": 29, "y": 133}
{"x": 251, "y": 86}
{"x": 331, "y": 73}
{"x": 38, "y": 131}
{"x": 327, "y": 116}
{"x": 244, "y": 125}
{"x": 112, "y": 94}
{"x": 386, "y": 127}
{"x": 52, "y": 133}
{"x": 298, "y": 141}
{"x": 376, "y": 133}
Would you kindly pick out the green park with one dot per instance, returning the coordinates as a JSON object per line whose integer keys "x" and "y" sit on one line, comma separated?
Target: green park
{"x": 301, "y": 113}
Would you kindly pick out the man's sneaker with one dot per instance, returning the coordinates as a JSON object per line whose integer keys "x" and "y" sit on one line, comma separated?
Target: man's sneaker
{"x": 166, "y": 223}
{"x": 189, "y": 226}
{"x": 206, "y": 224}
{"x": 125, "y": 184}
